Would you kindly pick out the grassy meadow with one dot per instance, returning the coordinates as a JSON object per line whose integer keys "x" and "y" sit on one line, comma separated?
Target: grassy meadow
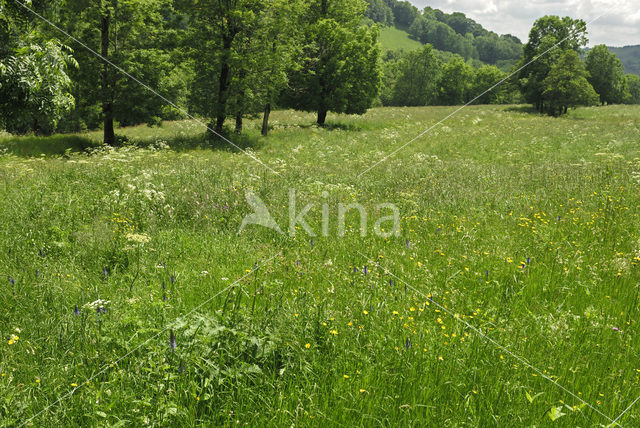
{"x": 395, "y": 39}
{"x": 522, "y": 227}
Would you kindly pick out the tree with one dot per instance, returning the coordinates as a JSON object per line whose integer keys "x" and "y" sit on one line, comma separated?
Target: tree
{"x": 417, "y": 77}
{"x": 566, "y": 84}
{"x": 34, "y": 70}
{"x": 485, "y": 78}
{"x": 379, "y": 11}
{"x": 551, "y": 36}
{"x": 455, "y": 82}
{"x": 141, "y": 37}
{"x": 404, "y": 13}
{"x": 606, "y": 75}
{"x": 339, "y": 69}
{"x": 633, "y": 82}
{"x": 34, "y": 87}
{"x": 442, "y": 37}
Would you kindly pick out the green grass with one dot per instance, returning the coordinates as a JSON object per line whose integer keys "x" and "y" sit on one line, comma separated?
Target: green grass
{"x": 395, "y": 39}
{"x": 306, "y": 339}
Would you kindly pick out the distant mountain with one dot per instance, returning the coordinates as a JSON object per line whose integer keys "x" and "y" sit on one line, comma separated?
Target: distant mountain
{"x": 630, "y": 57}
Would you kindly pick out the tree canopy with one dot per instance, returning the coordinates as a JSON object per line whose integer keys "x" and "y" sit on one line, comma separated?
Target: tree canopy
{"x": 606, "y": 75}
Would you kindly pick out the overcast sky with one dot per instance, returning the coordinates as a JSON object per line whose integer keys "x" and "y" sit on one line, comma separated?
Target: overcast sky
{"x": 619, "y": 27}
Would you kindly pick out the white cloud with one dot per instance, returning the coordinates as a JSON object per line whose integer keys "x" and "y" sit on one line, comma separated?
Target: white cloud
{"x": 619, "y": 26}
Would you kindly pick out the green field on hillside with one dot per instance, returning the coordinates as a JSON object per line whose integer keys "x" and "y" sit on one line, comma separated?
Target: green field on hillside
{"x": 394, "y": 39}
{"x": 509, "y": 296}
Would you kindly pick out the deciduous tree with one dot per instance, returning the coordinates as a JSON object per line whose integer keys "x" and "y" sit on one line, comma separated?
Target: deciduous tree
{"x": 606, "y": 75}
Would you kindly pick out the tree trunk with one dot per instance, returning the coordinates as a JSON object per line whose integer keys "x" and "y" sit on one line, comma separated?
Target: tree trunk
{"x": 107, "y": 94}
{"x": 238, "y": 129}
{"x": 322, "y": 116}
{"x": 224, "y": 83}
{"x": 265, "y": 119}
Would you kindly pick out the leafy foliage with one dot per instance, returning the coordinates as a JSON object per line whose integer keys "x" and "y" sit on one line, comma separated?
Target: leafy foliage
{"x": 339, "y": 69}
{"x": 551, "y": 36}
{"x": 633, "y": 82}
{"x": 606, "y": 75}
{"x": 566, "y": 85}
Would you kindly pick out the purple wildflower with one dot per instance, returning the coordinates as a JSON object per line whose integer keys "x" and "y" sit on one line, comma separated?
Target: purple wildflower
{"x": 528, "y": 260}
{"x": 408, "y": 244}
{"x": 173, "y": 279}
{"x": 391, "y": 282}
{"x": 365, "y": 270}
{"x": 172, "y": 340}
{"x": 76, "y": 311}
{"x": 104, "y": 271}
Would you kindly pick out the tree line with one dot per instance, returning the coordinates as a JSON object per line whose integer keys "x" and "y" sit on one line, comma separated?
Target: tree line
{"x": 226, "y": 60}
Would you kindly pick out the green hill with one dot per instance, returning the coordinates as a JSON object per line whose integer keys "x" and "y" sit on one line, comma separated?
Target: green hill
{"x": 630, "y": 57}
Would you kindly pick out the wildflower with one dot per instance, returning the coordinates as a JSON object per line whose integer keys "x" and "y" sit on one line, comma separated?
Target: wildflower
{"x": 172, "y": 340}
{"x": 173, "y": 279}
{"x": 365, "y": 270}
{"x": 365, "y": 312}
{"x": 75, "y": 385}
{"x": 408, "y": 244}
{"x": 346, "y": 376}
{"x": 308, "y": 345}
{"x": 390, "y": 282}
{"x": 104, "y": 271}
{"x": 407, "y": 343}
{"x": 138, "y": 238}
{"x": 362, "y": 391}
{"x": 334, "y": 332}
{"x": 76, "y": 311}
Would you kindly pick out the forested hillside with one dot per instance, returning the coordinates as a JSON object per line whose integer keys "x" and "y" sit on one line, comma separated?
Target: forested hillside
{"x": 455, "y": 33}
{"x": 630, "y": 57}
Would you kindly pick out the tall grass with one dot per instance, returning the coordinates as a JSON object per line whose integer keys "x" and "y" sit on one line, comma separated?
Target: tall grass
{"x": 524, "y": 226}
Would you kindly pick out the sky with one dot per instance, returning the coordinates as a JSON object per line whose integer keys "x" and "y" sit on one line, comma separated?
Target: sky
{"x": 619, "y": 26}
